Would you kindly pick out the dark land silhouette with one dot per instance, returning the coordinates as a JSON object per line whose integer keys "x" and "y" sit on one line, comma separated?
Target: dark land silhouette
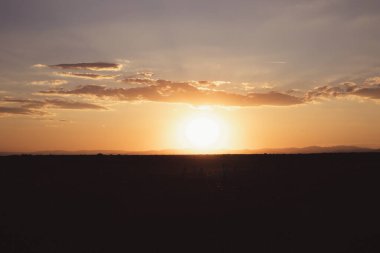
{"x": 210, "y": 203}
{"x": 303, "y": 150}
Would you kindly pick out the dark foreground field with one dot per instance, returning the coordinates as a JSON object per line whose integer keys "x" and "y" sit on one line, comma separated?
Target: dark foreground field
{"x": 247, "y": 203}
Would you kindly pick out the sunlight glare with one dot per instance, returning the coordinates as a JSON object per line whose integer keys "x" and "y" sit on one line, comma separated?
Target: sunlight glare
{"x": 202, "y": 132}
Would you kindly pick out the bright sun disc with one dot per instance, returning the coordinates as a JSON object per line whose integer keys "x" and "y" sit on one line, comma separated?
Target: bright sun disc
{"x": 202, "y": 132}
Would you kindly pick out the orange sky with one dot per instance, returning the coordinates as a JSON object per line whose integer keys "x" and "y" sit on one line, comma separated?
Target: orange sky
{"x": 155, "y": 126}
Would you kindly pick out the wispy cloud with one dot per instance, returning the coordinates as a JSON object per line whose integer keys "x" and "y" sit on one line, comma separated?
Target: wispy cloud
{"x": 49, "y": 82}
{"x": 373, "y": 93}
{"x": 139, "y": 80}
{"x": 5, "y": 110}
{"x": 145, "y": 74}
{"x": 208, "y": 93}
{"x": 94, "y": 66}
{"x": 208, "y": 84}
{"x": 38, "y": 65}
{"x": 85, "y": 75}
{"x": 369, "y": 89}
{"x": 181, "y": 92}
{"x": 40, "y": 107}
{"x": 204, "y": 92}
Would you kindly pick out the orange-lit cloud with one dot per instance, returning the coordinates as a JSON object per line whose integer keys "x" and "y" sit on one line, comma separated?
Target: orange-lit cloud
{"x": 85, "y": 75}
{"x": 49, "y": 82}
{"x": 141, "y": 77}
{"x": 204, "y": 84}
{"x": 145, "y": 73}
{"x": 139, "y": 80}
{"x": 39, "y": 65}
{"x": 205, "y": 92}
{"x": 182, "y": 92}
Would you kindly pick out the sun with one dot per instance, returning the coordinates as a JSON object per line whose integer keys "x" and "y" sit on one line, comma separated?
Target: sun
{"x": 202, "y": 132}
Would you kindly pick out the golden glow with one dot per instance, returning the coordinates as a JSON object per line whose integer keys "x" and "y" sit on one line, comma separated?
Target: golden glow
{"x": 202, "y": 132}
{"x": 162, "y": 126}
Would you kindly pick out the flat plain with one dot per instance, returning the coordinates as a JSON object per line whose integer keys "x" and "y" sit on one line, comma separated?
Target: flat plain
{"x": 195, "y": 203}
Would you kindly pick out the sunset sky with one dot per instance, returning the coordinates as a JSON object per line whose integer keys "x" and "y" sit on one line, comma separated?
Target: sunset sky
{"x": 135, "y": 75}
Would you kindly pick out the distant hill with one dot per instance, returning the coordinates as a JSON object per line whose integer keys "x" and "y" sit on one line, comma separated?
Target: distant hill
{"x": 303, "y": 150}
{"x": 314, "y": 149}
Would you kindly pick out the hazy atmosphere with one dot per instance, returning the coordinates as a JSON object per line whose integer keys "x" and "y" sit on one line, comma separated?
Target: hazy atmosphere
{"x": 200, "y": 75}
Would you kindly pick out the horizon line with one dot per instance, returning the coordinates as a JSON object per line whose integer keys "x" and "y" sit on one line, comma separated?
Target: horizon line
{"x": 285, "y": 150}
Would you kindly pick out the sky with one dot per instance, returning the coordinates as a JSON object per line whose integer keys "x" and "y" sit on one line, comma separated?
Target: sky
{"x": 133, "y": 75}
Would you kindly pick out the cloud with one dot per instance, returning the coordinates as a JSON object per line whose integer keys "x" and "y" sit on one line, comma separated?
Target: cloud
{"x": 145, "y": 78}
{"x": 267, "y": 86}
{"x": 328, "y": 91}
{"x": 18, "y": 111}
{"x": 49, "y": 82}
{"x": 373, "y": 81}
{"x": 85, "y": 75}
{"x": 205, "y": 93}
{"x": 370, "y": 89}
{"x": 39, "y": 65}
{"x": 62, "y": 104}
{"x": 145, "y": 73}
{"x": 139, "y": 80}
{"x": 202, "y": 92}
{"x": 182, "y": 92}
{"x": 95, "y": 66}
{"x": 39, "y": 107}
{"x": 208, "y": 84}
{"x": 141, "y": 77}
{"x": 372, "y": 93}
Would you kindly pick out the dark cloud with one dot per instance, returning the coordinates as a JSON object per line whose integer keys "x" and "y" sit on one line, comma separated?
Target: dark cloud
{"x": 18, "y": 110}
{"x": 328, "y": 91}
{"x": 38, "y": 107}
{"x": 85, "y": 75}
{"x": 182, "y": 92}
{"x": 373, "y": 92}
{"x": 95, "y": 66}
